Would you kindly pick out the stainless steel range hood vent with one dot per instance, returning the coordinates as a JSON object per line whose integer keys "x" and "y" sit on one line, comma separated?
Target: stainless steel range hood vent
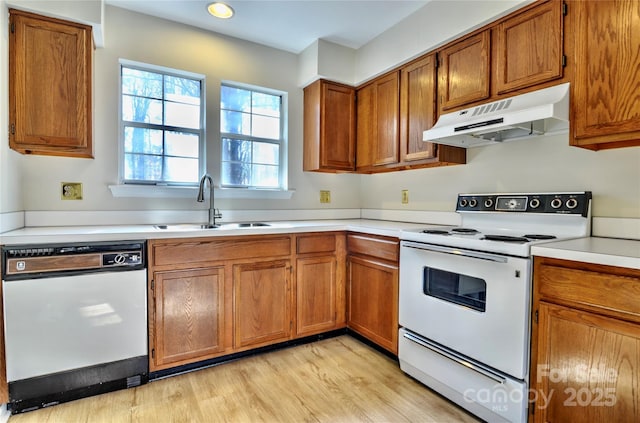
{"x": 524, "y": 116}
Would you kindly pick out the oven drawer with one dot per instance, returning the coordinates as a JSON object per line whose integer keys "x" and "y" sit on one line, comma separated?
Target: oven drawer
{"x": 488, "y": 394}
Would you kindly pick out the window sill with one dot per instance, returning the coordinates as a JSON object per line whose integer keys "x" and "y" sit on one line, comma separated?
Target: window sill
{"x": 154, "y": 191}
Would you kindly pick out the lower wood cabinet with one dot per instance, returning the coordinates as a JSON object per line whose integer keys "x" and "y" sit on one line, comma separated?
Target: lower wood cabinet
{"x": 189, "y": 315}
{"x": 210, "y": 297}
{"x": 320, "y": 283}
{"x": 262, "y": 303}
{"x": 373, "y": 289}
{"x": 586, "y": 343}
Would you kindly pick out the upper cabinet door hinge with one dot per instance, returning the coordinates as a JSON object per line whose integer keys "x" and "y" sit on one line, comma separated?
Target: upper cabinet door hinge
{"x": 535, "y": 316}
{"x": 564, "y": 60}
{"x": 153, "y": 284}
{"x": 12, "y": 129}
{"x": 13, "y": 27}
{"x": 565, "y": 9}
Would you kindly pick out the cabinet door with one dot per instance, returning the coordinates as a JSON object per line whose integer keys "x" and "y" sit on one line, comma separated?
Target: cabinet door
{"x": 316, "y": 292}
{"x": 588, "y": 367}
{"x": 417, "y": 108}
{"x": 373, "y": 301}
{"x": 49, "y": 86}
{"x": 329, "y": 127}
{"x": 262, "y": 302}
{"x": 463, "y": 76}
{"x": 605, "y": 103}
{"x": 529, "y": 48}
{"x": 385, "y": 149}
{"x": 189, "y": 316}
{"x": 378, "y": 112}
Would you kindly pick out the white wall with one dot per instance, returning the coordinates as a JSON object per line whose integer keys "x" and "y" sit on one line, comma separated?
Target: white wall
{"x": 147, "y": 39}
{"x": 536, "y": 165}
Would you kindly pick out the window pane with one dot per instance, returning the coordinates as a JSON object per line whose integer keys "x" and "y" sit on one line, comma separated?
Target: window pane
{"x": 178, "y": 169}
{"x": 266, "y": 104}
{"x": 235, "y": 99}
{"x": 264, "y": 176}
{"x": 142, "y": 140}
{"x": 141, "y": 83}
{"x": 266, "y": 127}
{"x": 182, "y": 90}
{"x": 235, "y": 122}
{"x": 236, "y": 150}
{"x": 182, "y": 144}
{"x": 142, "y": 167}
{"x": 182, "y": 115}
{"x": 140, "y": 109}
{"x": 235, "y": 173}
{"x": 266, "y": 153}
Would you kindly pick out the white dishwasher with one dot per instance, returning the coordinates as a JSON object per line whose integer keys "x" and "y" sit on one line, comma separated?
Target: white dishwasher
{"x": 75, "y": 319}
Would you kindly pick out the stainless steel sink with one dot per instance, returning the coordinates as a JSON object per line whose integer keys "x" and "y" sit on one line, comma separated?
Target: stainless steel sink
{"x": 186, "y": 227}
{"x": 200, "y": 226}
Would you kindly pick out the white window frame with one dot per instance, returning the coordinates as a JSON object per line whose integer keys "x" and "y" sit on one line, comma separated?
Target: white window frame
{"x": 283, "y": 170}
{"x": 201, "y": 132}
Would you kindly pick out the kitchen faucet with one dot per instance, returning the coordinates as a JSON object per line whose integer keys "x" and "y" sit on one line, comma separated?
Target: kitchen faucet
{"x": 213, "y": 212}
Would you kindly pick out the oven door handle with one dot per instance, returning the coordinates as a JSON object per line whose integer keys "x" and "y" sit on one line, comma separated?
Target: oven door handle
{"x": 456, "y": 358}
{"x": 455, "y": 251}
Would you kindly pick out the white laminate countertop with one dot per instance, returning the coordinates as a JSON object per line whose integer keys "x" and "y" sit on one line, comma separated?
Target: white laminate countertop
{"x": 606, "y": 251}
{"x": 62, "y": 234}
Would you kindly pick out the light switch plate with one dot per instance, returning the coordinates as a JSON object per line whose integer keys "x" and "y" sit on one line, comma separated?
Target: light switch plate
{"x": 405, "y": 196}
{"x": 325, "y": 196}
{"x": 71, "y": 191}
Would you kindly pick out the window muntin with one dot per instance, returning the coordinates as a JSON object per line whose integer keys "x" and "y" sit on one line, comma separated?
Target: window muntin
{"x": 162, "y": 125}
{"x": 253, "y": 147}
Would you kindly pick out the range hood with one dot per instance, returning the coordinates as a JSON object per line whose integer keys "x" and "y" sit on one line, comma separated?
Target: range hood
{"x": 545, "y": 111}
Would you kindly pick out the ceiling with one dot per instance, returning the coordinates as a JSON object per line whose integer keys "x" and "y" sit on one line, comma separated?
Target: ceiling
{"x": 290, "y": 25}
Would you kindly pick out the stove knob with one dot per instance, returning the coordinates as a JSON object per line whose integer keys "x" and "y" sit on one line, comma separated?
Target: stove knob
{"x": 556, "y": 203}
{"x": 488, "y": 203}
{"x": 572, "y": 203}
{"x": 463, "y": 202}
{"x": 473, "y": 202}
{"x": 534, "y": 203}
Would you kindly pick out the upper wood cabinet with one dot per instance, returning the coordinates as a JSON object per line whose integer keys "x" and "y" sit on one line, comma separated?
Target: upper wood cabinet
{"x": 605, "y": 93}
{"x": 329, "y": 127}
{"x": 464, "y": 72}
{"x": 50, "y": 77}
{"x": 418, "y": 81}
{"x": 417, "y": 108}
{"x": 378, "y": 108}
{"x": 528, "y": 48}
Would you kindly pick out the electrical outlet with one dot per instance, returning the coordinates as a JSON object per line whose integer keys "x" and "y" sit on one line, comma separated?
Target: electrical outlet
{"x": 405, "y": 196}
{"x": 71, "y": 191}
{"x": 325, "y": 196}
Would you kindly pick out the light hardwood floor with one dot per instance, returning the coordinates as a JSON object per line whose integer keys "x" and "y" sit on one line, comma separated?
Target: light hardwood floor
{"x": 333, "y": 380}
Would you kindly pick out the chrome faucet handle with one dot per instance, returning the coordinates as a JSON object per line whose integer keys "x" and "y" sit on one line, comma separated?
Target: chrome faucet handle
{"x": 217, "y": 214}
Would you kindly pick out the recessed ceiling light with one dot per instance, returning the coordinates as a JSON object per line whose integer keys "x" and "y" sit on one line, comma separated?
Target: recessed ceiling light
{"x": 220, "y": 10}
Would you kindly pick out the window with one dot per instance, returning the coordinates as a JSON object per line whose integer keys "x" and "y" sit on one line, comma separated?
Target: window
{"x": 253, "y": 137}
{"x": 161, "y": 125}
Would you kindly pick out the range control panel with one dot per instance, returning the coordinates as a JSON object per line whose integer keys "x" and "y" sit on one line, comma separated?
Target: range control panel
{"x": 574, "y": 203}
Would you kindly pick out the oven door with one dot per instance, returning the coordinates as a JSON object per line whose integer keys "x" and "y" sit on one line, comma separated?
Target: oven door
{"x": 472, "y": 302}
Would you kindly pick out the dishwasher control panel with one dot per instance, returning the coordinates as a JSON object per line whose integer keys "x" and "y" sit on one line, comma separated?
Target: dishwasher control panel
{"x": 43, "y": 261}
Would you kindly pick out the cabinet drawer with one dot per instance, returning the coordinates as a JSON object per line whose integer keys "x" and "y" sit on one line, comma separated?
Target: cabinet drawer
{"x": 218, "y": 250}
{"x": 325, "y": 243}
{"x": 384, "y": 248}
{"x": 592, "y": 287}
